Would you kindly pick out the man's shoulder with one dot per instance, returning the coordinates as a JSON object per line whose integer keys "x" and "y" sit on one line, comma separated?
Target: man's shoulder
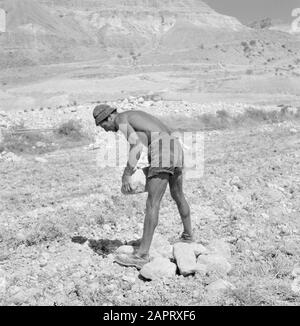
{"x": 121, "y": 117}
{"x": 127, "y": 116}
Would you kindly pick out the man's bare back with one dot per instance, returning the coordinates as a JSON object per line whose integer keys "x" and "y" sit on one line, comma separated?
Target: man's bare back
{"x": 143, "y": 125}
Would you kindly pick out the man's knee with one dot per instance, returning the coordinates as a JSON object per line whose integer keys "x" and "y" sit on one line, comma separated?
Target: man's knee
{"x": 152, "y": 203}
{"x": 177, "y": 195}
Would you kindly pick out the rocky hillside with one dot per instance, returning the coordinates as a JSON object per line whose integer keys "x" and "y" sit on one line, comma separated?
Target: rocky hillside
{"x": 48, "y": 31}
{"x": 130, "y": 23}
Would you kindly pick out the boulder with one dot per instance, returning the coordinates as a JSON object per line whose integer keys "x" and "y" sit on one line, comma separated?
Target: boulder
{"x": 215, "y": 263}
{"x": 199, "y": 249}
{"x": 138, "y": 183}
{"x": 158, "y": 268}
{"x": 160, "y": 247}
{"x": 201, "y": 269}
{"x": 185, "y": 258}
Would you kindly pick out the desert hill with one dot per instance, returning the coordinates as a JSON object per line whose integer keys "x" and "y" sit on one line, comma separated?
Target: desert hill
{"x": 49, "y": 31}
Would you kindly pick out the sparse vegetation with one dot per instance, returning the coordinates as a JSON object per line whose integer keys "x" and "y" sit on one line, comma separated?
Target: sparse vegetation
{"x": 71, "y": 129}
{"x": 21, "y": 140}
{"x": 224, "y": 120}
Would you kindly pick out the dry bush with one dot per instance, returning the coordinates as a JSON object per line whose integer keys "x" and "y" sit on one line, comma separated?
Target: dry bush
{"x": 223, "y": 120}
{"x": 19, "y": 139}
{"x": 71, "y": 129}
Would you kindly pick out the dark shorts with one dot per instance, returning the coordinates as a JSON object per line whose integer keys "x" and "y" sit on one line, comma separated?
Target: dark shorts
{"x": 165, "y": 155}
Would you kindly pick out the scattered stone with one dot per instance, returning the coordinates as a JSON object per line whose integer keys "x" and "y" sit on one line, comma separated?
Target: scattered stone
{"x": 20, "y": 297}
{"x": 158, "y": 268}
{"x": 296, "y": 271}
{"x": 148, "y": 104}
{"x": 185, "y": 258}
{"x": 10, "y": 157}
{"x": 44, "y": 258}
{"x": 106, "y": 228}
{"x": 296, "y": 285}
{"x": 41, "y": 160}
{"x": 129, "y": 279}
{"x": 3, "y": 281}
{"x": 40, "y": 144}
{"x": 196, "y": 294}
{"x": 127, "y": 250}
{"x": 215, "y": 263}
{"x": 94, "y": 286}
{"x": 156, "y": 98}
{"x": 218, "y": 287}
{"x": 236, "y": 181}
{"x": 20, "y": 236}
{"x": 293, "y": 131}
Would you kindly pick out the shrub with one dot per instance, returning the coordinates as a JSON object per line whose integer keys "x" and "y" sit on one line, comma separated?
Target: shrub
{"x": 71, "y": 129}
{"x": 19, "y": 139}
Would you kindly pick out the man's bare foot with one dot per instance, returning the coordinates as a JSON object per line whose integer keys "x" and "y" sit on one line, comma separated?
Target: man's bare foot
{"x": 186, "y": 238}
{"x": 131, "y": 260}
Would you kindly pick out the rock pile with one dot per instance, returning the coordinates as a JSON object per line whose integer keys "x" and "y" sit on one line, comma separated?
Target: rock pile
{"x": 167, "y": 261}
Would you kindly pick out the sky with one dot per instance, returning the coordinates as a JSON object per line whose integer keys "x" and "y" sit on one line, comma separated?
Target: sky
{"x": 250, "y": 10}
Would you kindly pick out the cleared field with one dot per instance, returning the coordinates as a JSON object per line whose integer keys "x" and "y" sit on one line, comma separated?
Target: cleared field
{"x": 248, "y": 196}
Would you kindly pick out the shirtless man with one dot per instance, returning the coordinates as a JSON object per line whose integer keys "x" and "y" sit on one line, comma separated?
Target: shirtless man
{"x": 140, "y": 129}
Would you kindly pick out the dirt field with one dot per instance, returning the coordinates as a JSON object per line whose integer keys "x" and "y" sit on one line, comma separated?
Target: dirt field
{"x": 248, "y": 196}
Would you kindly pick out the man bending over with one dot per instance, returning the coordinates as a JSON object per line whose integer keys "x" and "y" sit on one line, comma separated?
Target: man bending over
{"x": 165, "y": 157}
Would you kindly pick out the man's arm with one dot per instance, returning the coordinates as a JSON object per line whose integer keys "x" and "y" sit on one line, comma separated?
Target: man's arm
{"x": 136, "y": 148}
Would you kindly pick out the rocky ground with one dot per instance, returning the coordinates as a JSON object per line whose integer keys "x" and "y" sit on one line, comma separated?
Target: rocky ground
{"x": 62, "y": 218}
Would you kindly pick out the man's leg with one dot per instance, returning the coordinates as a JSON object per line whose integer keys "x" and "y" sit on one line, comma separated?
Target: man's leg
{"x": 156, "y": 188}
{"x": 177, "y": 194}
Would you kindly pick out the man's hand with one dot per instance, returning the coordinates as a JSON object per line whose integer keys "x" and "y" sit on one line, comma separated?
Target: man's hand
{"x": 126, "y": 184}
